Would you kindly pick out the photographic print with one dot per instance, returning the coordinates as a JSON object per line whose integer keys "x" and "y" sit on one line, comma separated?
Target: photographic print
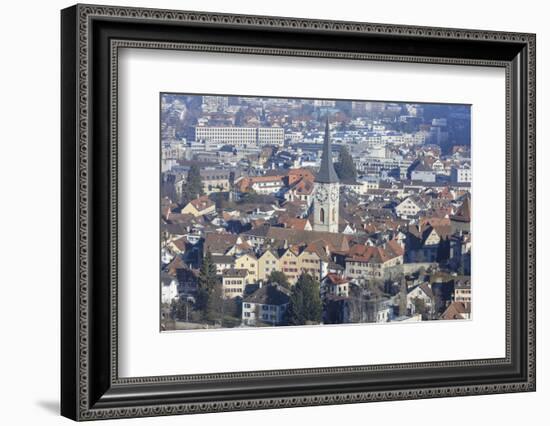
{"x": 291, "y": 212}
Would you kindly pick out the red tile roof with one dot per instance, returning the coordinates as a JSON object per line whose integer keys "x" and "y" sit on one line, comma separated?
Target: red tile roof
{"x": 336, "y": 279}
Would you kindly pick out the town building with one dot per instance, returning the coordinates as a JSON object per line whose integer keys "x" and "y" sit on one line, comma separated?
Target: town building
{"x": 248, "y": 262}
{"x": 234, "y": 282}
{"x": 422, "y": 293}
{"x": 460, "y": 221}
{"x": 169, "y": 290}
{"x": 199, "y": 206}
{"x": 422, "y": 172}
{"x": 223, "y": 263}
{"x": 410, "y": 207}
{"x": 215, "y": 180}
{"x": 289, "y": 266}
{"x": 462, "y": 174}
{"x": 334, "y": 285}
{"x": 462, "y": 292}
{"x": 268, "y": 262}
{"x": 265, "y": 185}
{"x": 240, "y": 136}
{"x": 266, "y": 305}
{"x": 456, "y": 310}
{"x": 369, "y": 262}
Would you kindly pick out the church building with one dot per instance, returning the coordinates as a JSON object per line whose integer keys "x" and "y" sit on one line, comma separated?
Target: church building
{"x": 327, "y": 191}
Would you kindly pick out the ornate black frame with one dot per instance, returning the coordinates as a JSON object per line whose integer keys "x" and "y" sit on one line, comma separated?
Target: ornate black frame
{"x": 91, "y": 37}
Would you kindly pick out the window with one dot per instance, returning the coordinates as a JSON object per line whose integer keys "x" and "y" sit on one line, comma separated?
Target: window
{"x": 322, "y": 216}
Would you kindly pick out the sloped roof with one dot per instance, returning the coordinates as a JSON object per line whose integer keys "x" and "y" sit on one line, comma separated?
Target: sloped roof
{"x": 427, "y": 290}
{"x": 435, "y": 221}
{"x": 222, "y": 259}
{"x": 269, "y": 251}
{"x": 184, "y": 218}
{"x": 219, "y": 242}
{"x": 296, "y": 236}
{"x": 326, "y": 173}
{"x": 463, "y": 212}
{"x": 395, "y": 247}
{"x": 180, "y": 243}
{"x": 235, "y": 273}
{"x": 269, "y": 294}
{"x": 335, "y": 279}
{"x": 174, "y": 228}
{"x": 303, "y": 187}
{"x": 338, "y": 242}
{"x": 456, "y": 310}
{"x": 176, "y": 263}
{"x": 372, "y": 254}
{"x": 294, "y": 223}
{"x": 202, "y": 203}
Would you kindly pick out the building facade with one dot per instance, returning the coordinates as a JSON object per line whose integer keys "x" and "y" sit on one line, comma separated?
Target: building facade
{"x": 233, "y": 283}
{"x": 240, "y": 137}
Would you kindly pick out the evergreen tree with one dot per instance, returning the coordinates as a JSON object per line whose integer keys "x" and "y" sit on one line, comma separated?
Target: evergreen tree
{"x": 305, "y": 301}
{"x": 206, "y": 283}
{"x": 192, "y": 188}
{"x": 279, "y": 278}
{"x": 345, "y": 167}
{"x": 215, "y": 306}
{"x": 219, "y": 199}
{"x": 403, "y": 297}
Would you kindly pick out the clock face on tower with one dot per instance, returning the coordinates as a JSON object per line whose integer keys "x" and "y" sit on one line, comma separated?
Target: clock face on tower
{"x": 321, "y": 194}
{"x": 334, "y": 194}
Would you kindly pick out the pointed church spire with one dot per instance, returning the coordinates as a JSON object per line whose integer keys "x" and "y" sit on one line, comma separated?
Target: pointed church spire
{"x": 327, "y": 174}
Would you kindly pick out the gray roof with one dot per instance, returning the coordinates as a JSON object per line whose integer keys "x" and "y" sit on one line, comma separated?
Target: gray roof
{"x": 239, "y": 273}
{"x": 327, "y": 174}
{"x": 222, "y": 259}
{"x": 270, "y": 294}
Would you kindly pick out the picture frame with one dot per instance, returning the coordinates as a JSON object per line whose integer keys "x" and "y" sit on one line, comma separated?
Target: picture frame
{"x": 90, "y": 385}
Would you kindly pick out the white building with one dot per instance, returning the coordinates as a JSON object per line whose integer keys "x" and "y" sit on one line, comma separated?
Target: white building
{"x": 169, "y": 289}
{"x": 462, "y": 174}
{"x": 423, "y": 173}
{"x": 409, "y": 208}
{"x": 236, "y": 136}
{"x": 239, "y": 136}
{"x": 268, "y": 304}
{"x": 422, "y": 292}
{"x": 271, "y": 136}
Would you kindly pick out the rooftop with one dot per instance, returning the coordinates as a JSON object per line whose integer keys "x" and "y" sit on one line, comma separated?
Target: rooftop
{"x": 270, "y": 294}
{"x": 326, "y": 173}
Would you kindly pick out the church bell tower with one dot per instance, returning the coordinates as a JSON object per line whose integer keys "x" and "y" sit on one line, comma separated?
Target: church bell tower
{"x": 327, "y": 191}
